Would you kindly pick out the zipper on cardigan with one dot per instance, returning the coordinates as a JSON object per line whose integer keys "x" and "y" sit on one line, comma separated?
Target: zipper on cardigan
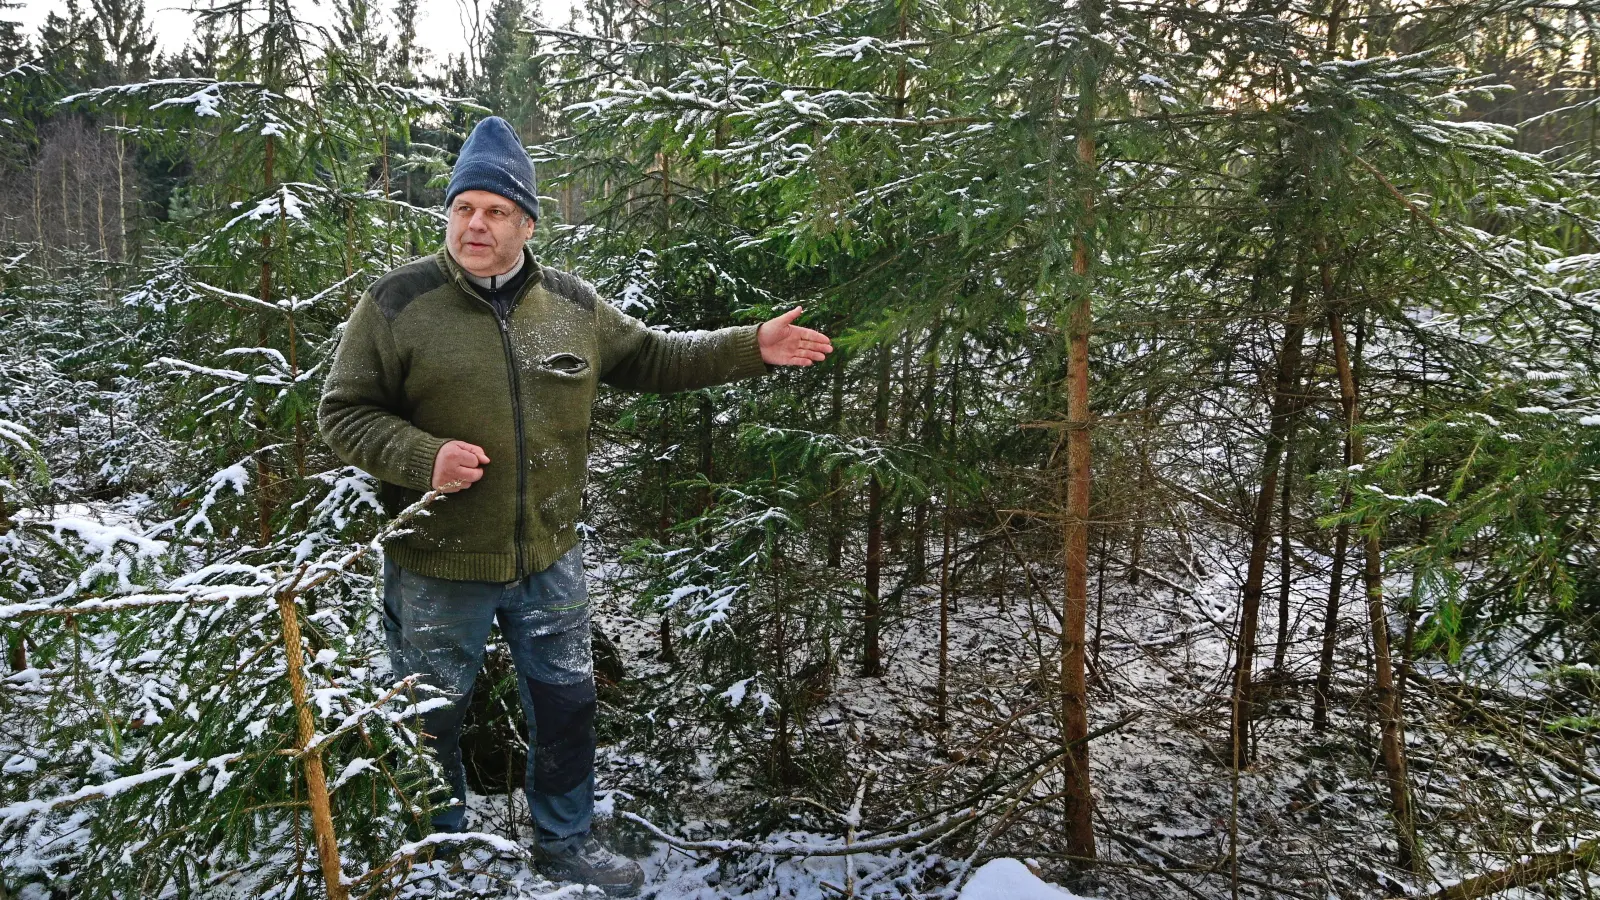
{"x": 516, "y": 411}
{"x": 516, "y": 398}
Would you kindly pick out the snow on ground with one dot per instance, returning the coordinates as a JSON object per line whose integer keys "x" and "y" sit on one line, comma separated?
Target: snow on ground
{"x": 1008, "y": 879}
{"x": 484, "y": 872}
{"x": 1312, "y": 811}
{"x": 670, "y": 874}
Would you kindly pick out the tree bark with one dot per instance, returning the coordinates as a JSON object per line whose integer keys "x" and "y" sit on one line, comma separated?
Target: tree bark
{"x": 1093, "y": 659}
{"x": 1078, "y": 800}
{"x": 929, "y": 431}
{"x": 872, "y": 658}
{"x": 664, "y": 518}
{"x": 1410, "y": 856}
{"x": 707, "y": 464}
{"x": 38, "y": 215}
{"x": 100, "y": 219}
{"x": 1285, "y": 555}
{"x": 1413, "y": 602}
{"x": 316, "y": 780}
{"x": 944, "y": 557}
{"x": 388, "y": 190}
{"x": 1330, "y": 616}
{"x": 122, "y": 201}
{"x": 66, "y": 212}
{"x": 17, "y": 653}
{"x": 782, "y": 752}
{"x": 1261, "y": 522}
{"x": 897, "y": 531}
{"x": 835, "y": 482}
{"x": 265, "y": 482}
{"x": 1141, "y": 497}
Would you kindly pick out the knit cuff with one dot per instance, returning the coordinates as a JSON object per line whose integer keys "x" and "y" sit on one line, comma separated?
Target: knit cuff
{"x": 747, "y": 362}
{"x": 419, "y": 466}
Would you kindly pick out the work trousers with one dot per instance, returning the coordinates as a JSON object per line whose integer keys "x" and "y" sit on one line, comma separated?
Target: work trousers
{"x": 438, "y": 628}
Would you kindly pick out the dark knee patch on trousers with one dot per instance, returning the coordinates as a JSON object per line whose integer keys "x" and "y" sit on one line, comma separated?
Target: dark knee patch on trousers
{"x": 564, "y": 724}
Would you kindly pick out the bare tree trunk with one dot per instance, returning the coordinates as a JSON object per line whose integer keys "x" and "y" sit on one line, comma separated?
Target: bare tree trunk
{"x": 835, "y": 483}
{"x": 349, "y": 257}
{"x": 316, "y": 781}
{"x": 38, "y": 214}
{"x": 782, "y": 758}
{"x": 1413, "y": 603}
{"x": 100, "y": 219}
{"x": 17, "y": 652}
{"x": 265, "y": 483}
{"x": 1261, "y": 522}
{"x": 301, "y": 441}
{"x": 664, "y": 516}
{"x": 872, "y": 664}
{"x": 122, "y": 201}
{"x": 1330, "y": 617}
{"x": 872, "y": 660}
{"x": 1341, "y": 541}
{"x": 1410, "y": 855}
{"x": 1099, "y": 607}
{"x": 917, "y": 566}
{"x": 944, "y": 557}
{"x": 1075, "y": 545}
{"x": 930, "y": 436}
{"x": 665, "y": 163}
{"x": 1078, "y": 800}
{"x": 38, "y": 197}
{"x": 667, "y": 654}
{"x": 66, "y": 213}
{"x": 897, "y": 519}
{"x": 388, "y": 208}
{"x": 707, "y": 468}
{"x": 77, "y": 182}
{"x": 1322, "y": 695}
{"x": 1141, "y": 498}
{"x": 1285, "y": 555}
{"x": 1408, "y": 640}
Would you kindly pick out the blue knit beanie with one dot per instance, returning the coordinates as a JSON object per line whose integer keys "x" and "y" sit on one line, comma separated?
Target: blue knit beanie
{"x": 493, "y": 160}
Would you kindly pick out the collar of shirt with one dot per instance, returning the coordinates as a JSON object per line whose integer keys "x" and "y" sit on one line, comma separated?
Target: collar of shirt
{"x": 494, "y": 282}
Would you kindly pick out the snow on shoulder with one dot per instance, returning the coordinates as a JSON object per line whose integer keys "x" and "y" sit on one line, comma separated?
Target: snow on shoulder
{"x": 1008, "y": 879}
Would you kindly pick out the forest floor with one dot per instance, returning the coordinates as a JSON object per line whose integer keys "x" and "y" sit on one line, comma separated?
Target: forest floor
{"x": 1310, "y": 814}
{"x": 1492, "y": 780}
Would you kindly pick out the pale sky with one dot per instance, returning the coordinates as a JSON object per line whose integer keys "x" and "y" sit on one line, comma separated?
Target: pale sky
{"x": 439, "y": 22}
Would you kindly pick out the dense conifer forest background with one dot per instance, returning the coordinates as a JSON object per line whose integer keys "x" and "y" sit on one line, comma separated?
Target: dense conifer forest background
{"x": 1202, "y": 501}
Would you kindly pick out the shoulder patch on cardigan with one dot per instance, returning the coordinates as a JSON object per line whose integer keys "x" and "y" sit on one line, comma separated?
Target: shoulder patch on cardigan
{"x": 570, "y": 286}
{"x": 395, "y": 291}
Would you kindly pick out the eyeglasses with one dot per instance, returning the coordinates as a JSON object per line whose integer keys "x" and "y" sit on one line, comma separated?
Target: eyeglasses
{"x": 495, "y": 214}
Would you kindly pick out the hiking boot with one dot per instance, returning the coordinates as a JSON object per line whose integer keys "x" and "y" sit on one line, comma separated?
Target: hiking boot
{"x": 592, "y": 864}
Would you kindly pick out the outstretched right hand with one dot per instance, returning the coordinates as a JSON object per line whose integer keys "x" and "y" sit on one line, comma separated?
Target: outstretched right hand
{"x": 457, "y": 466}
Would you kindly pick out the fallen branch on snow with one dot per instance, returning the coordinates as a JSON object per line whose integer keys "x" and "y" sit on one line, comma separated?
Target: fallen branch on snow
{"x": 1526, "y": 871}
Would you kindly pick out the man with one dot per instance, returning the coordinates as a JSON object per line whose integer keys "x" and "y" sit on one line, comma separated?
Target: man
{"x": 473, "y": 371}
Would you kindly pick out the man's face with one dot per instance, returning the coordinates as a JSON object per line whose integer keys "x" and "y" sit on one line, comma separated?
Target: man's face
{"x": 486, "y": 232}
